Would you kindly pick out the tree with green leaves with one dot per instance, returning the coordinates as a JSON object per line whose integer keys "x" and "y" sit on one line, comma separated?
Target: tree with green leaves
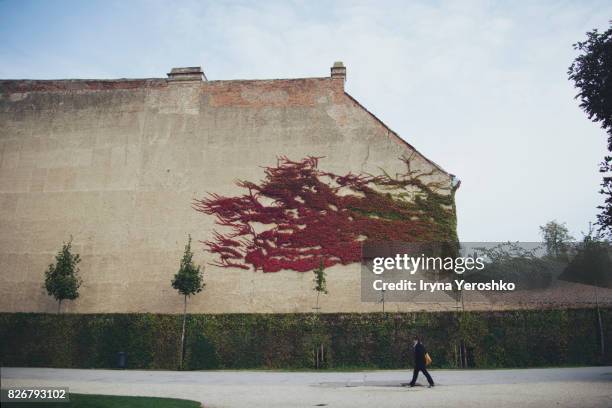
{"x": 189, "y": 280}
{"x": 62, "y": 279}
{"x": 320, "y": 282}
{"x": 557, "y": 239}
{"x": 591, "y": 72}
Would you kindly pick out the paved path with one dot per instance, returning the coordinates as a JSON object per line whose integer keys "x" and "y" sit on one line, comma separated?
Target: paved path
{"x": 554, "y": 387}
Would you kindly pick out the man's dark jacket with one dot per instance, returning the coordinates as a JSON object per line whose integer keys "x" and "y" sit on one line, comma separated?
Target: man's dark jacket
{"x": 419, "y": 355}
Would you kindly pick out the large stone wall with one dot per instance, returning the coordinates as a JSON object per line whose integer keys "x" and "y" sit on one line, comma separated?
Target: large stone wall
{"x": 117, "y": 165}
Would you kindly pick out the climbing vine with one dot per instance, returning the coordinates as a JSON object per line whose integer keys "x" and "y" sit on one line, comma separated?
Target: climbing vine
{"x": 299, "y": 215}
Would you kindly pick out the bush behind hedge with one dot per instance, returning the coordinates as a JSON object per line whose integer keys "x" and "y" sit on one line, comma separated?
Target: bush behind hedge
{"x": 287, "y": 341}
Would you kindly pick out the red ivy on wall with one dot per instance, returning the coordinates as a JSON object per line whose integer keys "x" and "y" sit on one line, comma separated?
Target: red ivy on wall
{"x": 299, "y": 215}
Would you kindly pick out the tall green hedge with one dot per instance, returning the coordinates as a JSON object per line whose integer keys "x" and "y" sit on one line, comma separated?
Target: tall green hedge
{"x": 374, "y": 340}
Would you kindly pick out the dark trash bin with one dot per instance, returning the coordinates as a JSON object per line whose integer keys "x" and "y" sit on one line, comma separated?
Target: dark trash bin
{"x": 121, "y": 359}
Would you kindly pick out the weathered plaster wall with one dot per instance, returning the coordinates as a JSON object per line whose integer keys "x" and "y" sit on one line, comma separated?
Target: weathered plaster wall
{"x": 116, "y": 164}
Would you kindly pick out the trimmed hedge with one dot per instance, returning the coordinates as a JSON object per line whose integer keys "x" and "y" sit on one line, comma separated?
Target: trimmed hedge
{"x": 526, "y": 338}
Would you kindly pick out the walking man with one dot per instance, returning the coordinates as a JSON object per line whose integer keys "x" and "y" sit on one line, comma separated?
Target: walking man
{"x": 419, "y": 362}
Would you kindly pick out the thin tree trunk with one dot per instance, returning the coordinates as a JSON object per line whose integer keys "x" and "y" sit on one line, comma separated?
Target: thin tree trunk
{"x": 59, "y": 306}
{"x": 317, "y": 308}
{"x": 183, "y": 334}
{"x": 601, "y": 331}
{"x": 322, "y": 355}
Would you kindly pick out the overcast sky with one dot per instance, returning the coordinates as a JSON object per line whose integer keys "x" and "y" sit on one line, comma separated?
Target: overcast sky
{"x": 479, "y": 87}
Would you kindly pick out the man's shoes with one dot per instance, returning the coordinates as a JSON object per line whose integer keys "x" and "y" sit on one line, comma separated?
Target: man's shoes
{"x": 431, "y": 385}
{"x": 411, "y": 385}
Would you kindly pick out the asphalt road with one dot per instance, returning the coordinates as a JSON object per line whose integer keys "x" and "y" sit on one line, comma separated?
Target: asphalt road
{"x": 551, "y": 387}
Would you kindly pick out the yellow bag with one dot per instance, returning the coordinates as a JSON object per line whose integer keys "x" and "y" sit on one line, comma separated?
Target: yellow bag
{"x": 427, "y": 359}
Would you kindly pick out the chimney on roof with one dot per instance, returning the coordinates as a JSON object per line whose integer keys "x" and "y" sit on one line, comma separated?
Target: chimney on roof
{"x": 187, "y": 74}
{"x": 338, "y": 71}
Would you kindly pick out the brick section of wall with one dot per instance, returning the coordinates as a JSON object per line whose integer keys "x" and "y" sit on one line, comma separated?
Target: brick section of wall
{"x": 19, "y": 86}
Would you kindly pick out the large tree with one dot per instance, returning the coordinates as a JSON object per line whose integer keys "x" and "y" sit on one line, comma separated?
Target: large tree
{"x": 591, "y": 72}
{"x": 557, "y": 238}
{"x": 187, "y": 281}
{"x": 62, "y": 278}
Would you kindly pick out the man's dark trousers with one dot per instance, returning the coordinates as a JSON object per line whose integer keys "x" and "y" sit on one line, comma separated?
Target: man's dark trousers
{"x": 415, "y": 374}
